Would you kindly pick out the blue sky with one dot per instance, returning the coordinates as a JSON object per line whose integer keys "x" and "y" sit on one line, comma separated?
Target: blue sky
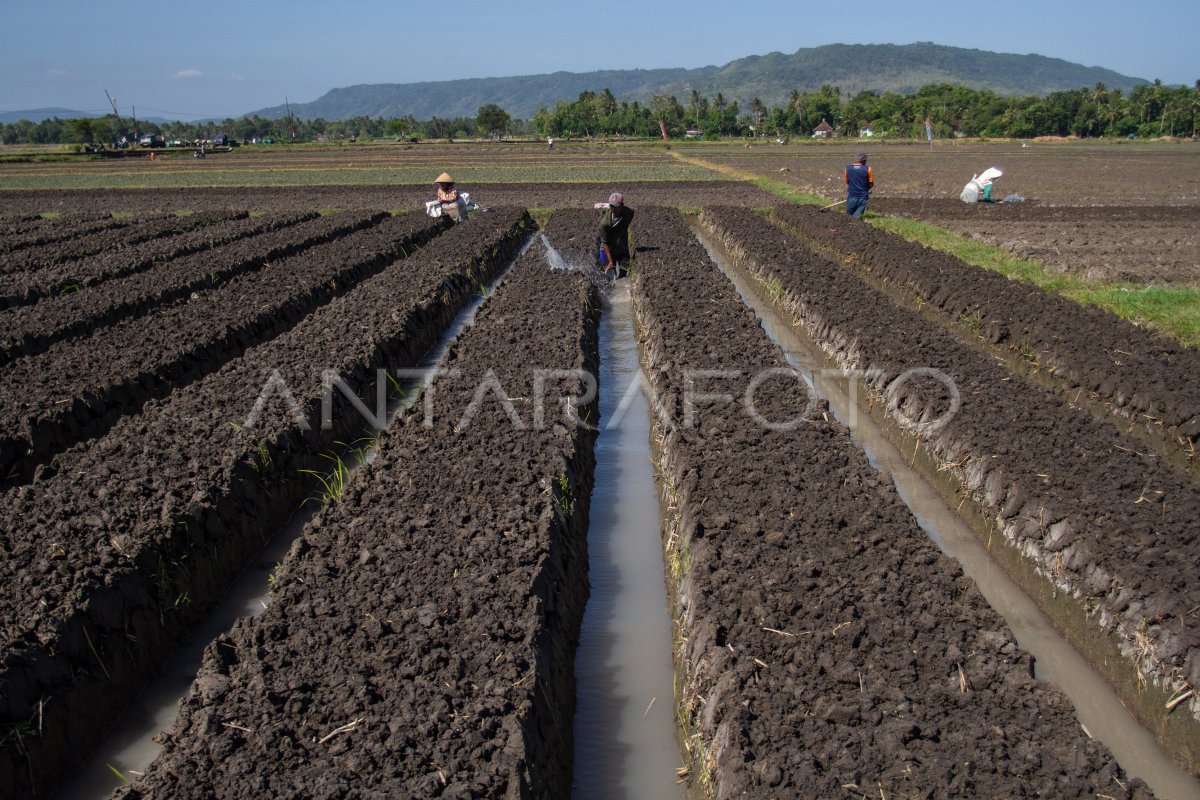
{"x": 185, "y": 60}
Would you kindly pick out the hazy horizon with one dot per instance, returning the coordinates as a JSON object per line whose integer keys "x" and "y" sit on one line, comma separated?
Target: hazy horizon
{"x": 181, "y": 63}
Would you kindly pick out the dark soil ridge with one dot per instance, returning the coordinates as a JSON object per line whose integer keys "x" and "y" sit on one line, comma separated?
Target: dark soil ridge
{"x": 432, "y": 612}
{"x": 921, "y": 209}
{"x": 1143, "y": 377}
{"x": 1101, "y": 536}
{"x": 113, "y": 239}
{"x": 140, "y": 531}
{"x": 78, "y": 388}
{"x": 400, "y": 196}
{"x": 27, "y": 226}
{"x": 1138, "y": 245}
{"x": 15, "y": 224}
{"x": 52, "y": 283}
{"x": 35, "y": 328}
{"x": 828, "y": 648}
{"x": 62, "y": 229}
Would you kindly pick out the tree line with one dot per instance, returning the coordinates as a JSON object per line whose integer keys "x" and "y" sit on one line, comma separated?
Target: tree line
{"x": 109, "y": 129}
{"x": 1146, "y": 111}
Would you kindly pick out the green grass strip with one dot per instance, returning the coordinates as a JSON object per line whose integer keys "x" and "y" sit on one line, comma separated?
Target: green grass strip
{"x": 1172, "y": 311}
{"x": 789, "y": 193}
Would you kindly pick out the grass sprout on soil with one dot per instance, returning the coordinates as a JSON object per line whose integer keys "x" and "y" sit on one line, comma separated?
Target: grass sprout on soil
{"x": 360, "y": 448}
{"x": 566, "y": 496}
{"x": 333, "y": 483}
{"x": 273, "y": 575}
{"x": 396, "y": 385}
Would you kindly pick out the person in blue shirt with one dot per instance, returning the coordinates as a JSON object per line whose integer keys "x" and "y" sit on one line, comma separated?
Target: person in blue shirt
{"x": 859, "y": 182}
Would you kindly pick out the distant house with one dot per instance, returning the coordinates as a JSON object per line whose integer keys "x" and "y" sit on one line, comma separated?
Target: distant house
{"x": 692, "y": 133}
{"x": 823, "y": 131}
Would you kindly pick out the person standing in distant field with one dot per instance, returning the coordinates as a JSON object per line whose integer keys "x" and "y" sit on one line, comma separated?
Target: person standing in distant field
{"x": 859, "y": 182}
{"x": 614, "y": 233}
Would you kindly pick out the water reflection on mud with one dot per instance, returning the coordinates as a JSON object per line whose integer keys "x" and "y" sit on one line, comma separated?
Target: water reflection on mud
{"x": 625, "y": 742}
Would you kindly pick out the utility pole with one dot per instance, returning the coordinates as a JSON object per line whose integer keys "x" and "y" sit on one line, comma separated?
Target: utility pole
{"x": 116, "y": 114}
{"x": 291, "y": 122}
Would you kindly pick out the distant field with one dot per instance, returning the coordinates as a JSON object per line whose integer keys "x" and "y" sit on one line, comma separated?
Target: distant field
{"x": 365, "y": 164}
{"x": 1052, "y": 172}
{"x": 1110, "y": 223}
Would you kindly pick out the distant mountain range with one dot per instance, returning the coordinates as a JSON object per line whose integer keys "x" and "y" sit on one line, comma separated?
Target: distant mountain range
{"x": 771, "y": 78}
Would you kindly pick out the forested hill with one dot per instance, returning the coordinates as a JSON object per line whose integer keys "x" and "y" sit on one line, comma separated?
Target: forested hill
{"x": 770, "y": 78}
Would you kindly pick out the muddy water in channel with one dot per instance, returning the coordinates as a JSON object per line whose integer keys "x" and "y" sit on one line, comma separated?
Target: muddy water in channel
{"x": 625, "y": 742}
{"x": 1096, "y": 704}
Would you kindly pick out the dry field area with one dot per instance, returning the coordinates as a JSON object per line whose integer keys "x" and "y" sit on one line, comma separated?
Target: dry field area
{"x": 1127, "y": 212}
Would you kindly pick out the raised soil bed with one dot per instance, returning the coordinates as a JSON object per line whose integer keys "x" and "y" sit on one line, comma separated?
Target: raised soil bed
{"x": 79, "y": 387}
{"x": 420, "y": 635}
{"x": 1140, "y": 376}
{"x": 828, "y": 648}
{"x": 137, "y": 532}
{"x": 1102, "y": 534}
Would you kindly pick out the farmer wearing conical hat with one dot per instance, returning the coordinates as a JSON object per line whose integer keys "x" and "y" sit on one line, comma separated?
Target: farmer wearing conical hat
{"x": 452, "y": 205}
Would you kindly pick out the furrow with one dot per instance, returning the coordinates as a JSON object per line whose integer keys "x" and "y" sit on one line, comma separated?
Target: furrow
{"x": 1100, "y": 533}
{"x": 826, "y": 645}
{"x": 79, "y": 387}
{"x": 109, "y": 560}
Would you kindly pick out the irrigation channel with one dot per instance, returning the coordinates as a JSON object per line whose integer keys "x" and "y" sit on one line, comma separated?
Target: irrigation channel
{"x": 625, "y": 734}
{"x": 625, "y": 742}
{"x": 1099, "y": 709}
{"x": 130, "y": 747}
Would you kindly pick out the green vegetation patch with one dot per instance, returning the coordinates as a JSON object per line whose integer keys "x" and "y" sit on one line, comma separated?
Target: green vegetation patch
{"x": 789, "y": 193}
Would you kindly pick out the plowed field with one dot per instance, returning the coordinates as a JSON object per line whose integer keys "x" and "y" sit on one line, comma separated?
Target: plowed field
{"x": 176, "y": 386}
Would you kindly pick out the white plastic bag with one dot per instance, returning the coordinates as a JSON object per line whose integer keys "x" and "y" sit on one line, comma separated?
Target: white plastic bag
{"x": 433, "y": 208}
